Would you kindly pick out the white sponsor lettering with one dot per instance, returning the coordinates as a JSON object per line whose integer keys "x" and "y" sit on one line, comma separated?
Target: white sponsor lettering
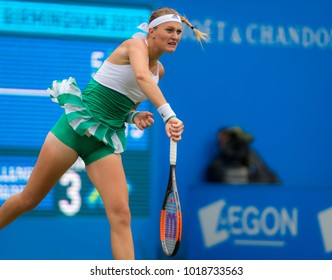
{"x": 325, "y": 222}
{"x": 258, "y": 34}
{"x": 249, "y": 225}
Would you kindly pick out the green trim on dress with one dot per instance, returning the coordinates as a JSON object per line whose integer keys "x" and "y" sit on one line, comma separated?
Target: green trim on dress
{"x": 99, "y": 112}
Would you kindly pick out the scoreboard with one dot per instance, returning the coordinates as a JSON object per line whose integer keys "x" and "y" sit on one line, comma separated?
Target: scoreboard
{"x": 42, "y": 42}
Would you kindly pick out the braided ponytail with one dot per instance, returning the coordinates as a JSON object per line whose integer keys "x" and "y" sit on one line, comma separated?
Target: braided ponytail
{"x": 199, "y": 34}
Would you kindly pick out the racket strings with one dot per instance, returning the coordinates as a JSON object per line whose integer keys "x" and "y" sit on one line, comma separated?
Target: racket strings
{"x": 171, "y": 224}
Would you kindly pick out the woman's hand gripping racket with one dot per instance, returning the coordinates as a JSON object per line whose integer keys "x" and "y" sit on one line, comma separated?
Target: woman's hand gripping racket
{"x": 171, "y": 218}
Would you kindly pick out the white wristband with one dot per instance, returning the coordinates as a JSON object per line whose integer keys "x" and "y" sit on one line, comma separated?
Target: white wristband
{"x": 166, "y": 112}
{"x": 131, "y": 116}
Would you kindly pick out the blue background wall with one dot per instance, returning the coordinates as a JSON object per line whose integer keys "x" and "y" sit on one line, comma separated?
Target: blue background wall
{"x": 275, "y": 87}
{"x": 279, "y": 93}
{"x": 256, "y": 73}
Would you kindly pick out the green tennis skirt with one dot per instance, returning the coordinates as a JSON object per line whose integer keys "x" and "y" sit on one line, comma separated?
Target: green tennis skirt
{"x": 93, "y": 120}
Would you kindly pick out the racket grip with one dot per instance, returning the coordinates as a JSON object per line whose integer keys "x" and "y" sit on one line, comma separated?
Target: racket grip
{"x": 173, "y": 152}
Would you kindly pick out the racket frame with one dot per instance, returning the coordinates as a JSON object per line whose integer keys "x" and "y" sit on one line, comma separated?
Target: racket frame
{"x": 171, "y": 188}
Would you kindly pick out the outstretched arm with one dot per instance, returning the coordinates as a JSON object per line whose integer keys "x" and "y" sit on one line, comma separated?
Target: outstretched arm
{"x": 138, "y": 57}
{"x": 139, "y": 60}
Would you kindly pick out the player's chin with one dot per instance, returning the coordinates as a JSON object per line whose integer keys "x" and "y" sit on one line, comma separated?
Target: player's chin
{"x": 171, "y": 48}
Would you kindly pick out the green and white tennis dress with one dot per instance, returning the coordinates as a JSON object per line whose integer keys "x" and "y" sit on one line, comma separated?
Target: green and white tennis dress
{"x": 94, "y": 121}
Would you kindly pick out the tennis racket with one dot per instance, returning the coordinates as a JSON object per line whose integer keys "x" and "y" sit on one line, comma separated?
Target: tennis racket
{"x": 171, "y": 218}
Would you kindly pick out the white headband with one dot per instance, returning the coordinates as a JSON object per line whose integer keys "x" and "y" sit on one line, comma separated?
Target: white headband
{"x": 159, "y": 20}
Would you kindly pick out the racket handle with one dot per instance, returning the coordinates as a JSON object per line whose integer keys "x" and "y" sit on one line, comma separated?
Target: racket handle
{"x": 172, "y": 152}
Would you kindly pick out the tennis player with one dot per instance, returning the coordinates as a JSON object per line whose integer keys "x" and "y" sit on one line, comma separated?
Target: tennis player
{"x": 93, "y": 124}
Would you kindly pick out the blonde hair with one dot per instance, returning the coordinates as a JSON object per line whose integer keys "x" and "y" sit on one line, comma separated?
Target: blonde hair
{"x": 200, "y": 36}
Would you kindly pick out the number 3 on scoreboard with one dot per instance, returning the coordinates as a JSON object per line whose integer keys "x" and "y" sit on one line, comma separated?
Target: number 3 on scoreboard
{"x": 72, "y": 181}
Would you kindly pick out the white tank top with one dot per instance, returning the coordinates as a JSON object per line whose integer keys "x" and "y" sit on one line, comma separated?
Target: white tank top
{"x": 122, "y": 79}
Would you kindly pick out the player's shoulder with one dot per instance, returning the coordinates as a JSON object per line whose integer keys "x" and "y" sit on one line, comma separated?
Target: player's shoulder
{"x": 135, "y": 42}
{"x": 131, "y": 45}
